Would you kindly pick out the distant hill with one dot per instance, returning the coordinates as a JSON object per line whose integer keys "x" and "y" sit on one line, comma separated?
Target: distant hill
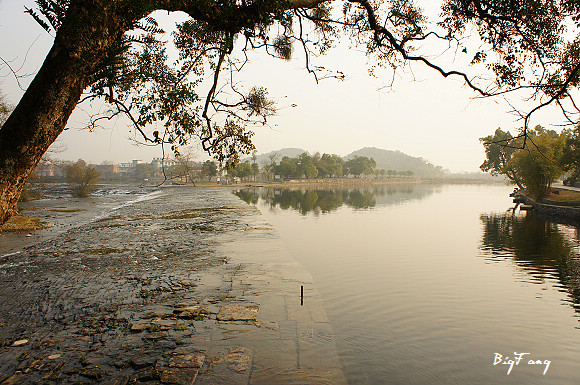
{"x": 387, "y": 159}
{"x": 398, "y": 161}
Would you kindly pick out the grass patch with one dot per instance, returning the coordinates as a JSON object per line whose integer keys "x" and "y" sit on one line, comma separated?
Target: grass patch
{"x": 101, "y": 251}
{"x": 561, "y": 195}
{"x": 23, "y": 223}
{"x": 193, "y": 213}
{"x": 29, "y": 195}
{"x": 110, "y": 218}
{"x": 181, "y": 216}
{"x": 67, "y": 210}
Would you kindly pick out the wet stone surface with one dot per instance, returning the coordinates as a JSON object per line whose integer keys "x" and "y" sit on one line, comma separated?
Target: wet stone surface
{"x": 159, "y": 291}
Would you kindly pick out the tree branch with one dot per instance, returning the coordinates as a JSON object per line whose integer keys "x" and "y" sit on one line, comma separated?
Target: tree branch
{"x": 381, "y": 32}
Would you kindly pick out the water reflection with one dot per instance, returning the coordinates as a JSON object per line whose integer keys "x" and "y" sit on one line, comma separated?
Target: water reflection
{"x": 544, "y": 250}
{"x": 325, "y": 200}
{"x": 408, "y": 294}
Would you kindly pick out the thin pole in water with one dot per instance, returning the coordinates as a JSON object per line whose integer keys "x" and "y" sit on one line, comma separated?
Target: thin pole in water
{"x": 301, "y": 295}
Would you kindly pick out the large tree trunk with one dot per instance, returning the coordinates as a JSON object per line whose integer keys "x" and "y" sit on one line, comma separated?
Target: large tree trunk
{"x": 42, "y": 113}
{"x": 35, "y": 124}
{"x": 88, "y": 30}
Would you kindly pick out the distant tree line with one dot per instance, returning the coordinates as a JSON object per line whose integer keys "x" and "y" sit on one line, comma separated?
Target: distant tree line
{"x": 184, "y": 169}
{"x": 325, "y": 166}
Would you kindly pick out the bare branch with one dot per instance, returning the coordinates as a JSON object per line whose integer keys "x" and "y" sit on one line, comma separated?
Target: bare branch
{"x": 381, "y": 32}
{"x": 225, "y": 49}
{"x": 556, "y": 96}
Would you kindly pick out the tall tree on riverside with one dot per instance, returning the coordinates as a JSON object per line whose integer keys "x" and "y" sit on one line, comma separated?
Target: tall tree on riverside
{"x": 571, "y": 155}
{"x": 499, "y": 149}
{"x": 540, "y": 163}
{"x": 110, "y": 50}
{"x": 533, "y": 167}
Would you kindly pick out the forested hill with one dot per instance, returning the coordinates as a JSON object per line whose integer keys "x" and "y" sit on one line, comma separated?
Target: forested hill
{"x": 396, "y": 160}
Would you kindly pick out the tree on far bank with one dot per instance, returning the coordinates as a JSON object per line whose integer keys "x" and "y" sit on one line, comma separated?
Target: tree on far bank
{"x": 209, "y": 169}
{"x": 287, "y": 168}
{"x": 255, "y": 166}
{"x": 305, "y": 166}
{"x": 242, "y": 170}
{"x": 329, "y": 165}
{"x": 184, "y": 168}
{"x": 255, "y": 170}
{"x": 269, "y": 165}
{"x": 82, "y": 178}
{"x": 360, "y": 165}
{"x": 144, "y": 171}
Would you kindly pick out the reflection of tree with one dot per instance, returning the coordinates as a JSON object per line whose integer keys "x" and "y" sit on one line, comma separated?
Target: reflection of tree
{"x": 538, "y": 247}
{"x": 304, "y": 201}
{"x": 330, "y": 200}
{"x": 249, "y": 196}
{"x": 324, "y": 200}
{"x": 361, "y": 199}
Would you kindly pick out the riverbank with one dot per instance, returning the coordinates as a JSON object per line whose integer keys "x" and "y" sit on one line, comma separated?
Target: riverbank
{"x": 330, "y": 182}
{"x": 350, "y": 182}
{"x": 560, "y": 203}
{"x": 188, "y": 286}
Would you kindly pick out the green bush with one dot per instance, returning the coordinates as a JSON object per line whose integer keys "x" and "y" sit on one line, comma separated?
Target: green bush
{"x": 82, "y": 178}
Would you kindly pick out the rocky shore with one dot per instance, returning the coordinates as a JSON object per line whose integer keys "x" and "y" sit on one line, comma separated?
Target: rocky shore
{"x": 190, "y": 287}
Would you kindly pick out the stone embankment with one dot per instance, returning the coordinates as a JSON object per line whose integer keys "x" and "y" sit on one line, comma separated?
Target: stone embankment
{"x": 350, "y": 182}
{"x": 191, "y": 287}
{"x": 568, "y": 211}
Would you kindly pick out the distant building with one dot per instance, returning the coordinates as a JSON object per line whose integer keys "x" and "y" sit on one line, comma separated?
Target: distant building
{"x": 120, "y": 171}
{"x": 50, "y": 170}
{"x": 160, "y": 163}
{"x": 107, "y": 169}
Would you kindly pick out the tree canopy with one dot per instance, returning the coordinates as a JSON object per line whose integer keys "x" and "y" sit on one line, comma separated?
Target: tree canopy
{"x": 82, "y": 178}
{"x": 242, "y": 170}
{"x": 360, "y": 165}
{"x": 110, "y": 50}
{"x": 499, "y": 149}
{"x": 209, "y": 169}
{"x": 328, "y": 165}
{"x": 533, "y": 167}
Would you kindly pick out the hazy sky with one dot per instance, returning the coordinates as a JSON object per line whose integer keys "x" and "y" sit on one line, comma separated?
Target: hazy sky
{"x": 423, "y": 114}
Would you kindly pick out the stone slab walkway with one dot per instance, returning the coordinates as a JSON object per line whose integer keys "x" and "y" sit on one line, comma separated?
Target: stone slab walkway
{"x": 192, "y": 287}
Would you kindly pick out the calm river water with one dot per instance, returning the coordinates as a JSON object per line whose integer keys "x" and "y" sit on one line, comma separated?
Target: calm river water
{"x": 430, "y": 284}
